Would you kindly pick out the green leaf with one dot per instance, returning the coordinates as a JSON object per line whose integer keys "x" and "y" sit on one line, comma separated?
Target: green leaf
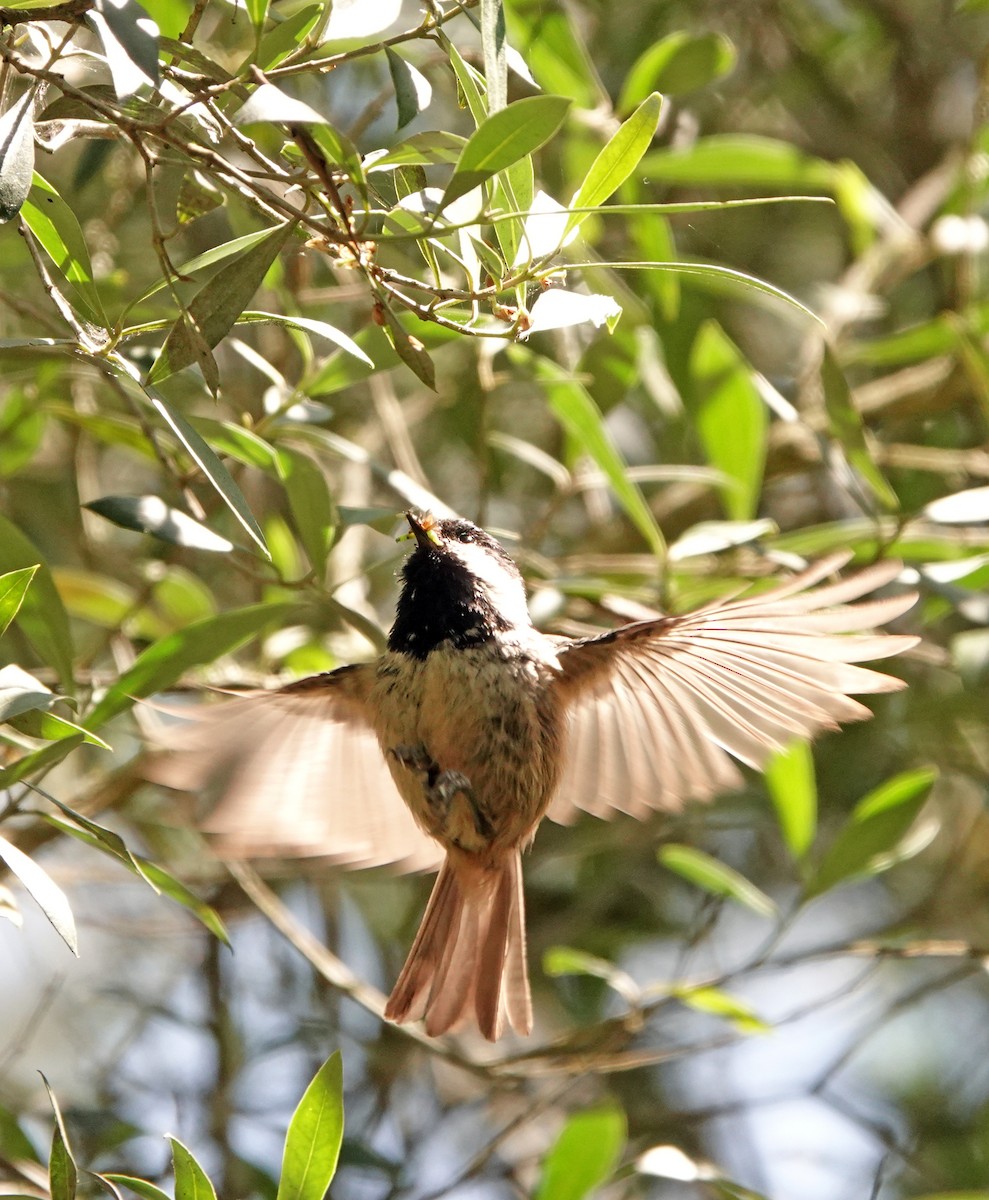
{"x": 287, "y": 36}
{"x": 880, "y": 821}
{"x": 714, "y": 877}
{"x": 43, "y": 890}
{"x": 157, "y": 667}
{"x": 130, "y": 43}
{"x": 739, "y": 160}
{"x": 191, "y": 1181}
{"x": 63, "y": 1175}
{"x": 42, "y": 616}
{"x": 157, "y": 878}
{"x": 13, "y": 589}
{"x": 22, "y": 425}
{"x": 412, "y": 89}
{"x": 321, "y": 329}
{"x": 576, "y": 411}
{"x": 731, "y": 419}
{"x": 503, "y": 138}
{"x": 584, "y": 1155}
{"x": 793, "y": 790}
{"x": 423, "y": 150}
{"x": 848, "y": 429}
{"x": 150, "y": 514}
{"x": 618, "y": 159}
{"x": 721, "y": 1004}
{"x": 140, "y": 1187}
{"x": 16, "y": 155}
{"x": 216, "y": 306}
{"x": 680, "y": 62}
{"x": 176, "y": 890}
{"x": 312, "y": 1144}
{"x": 214, "y": 470}
{"x": 565, "y": 960}
{"x": 410, "y": 350}
{"x": 311, "y": 504}
{"x": 55, "y": 226}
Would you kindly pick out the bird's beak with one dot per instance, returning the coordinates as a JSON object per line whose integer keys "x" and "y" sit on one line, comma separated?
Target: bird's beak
{"x": 423, "y": 533}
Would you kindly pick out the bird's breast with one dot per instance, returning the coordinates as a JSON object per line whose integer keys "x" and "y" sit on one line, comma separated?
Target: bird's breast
{"x": 485, "y": 713}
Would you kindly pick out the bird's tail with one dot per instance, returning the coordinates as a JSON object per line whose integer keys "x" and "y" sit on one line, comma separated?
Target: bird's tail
{"x": 468, "y": 959}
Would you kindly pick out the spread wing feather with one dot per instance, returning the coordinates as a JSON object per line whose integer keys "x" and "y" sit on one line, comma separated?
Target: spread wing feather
{"x": 299, "y": 773}
{"x": 659, "y": 709}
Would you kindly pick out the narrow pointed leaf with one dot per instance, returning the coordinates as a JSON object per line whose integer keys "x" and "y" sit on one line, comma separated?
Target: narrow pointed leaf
{"x": 150, "y": 514}
{"x": 879, "y": 822}
{"x": 63, "y": 1174}
{"x": 503, "y": 138}
{"x": 715, "y": 877}
{"x": 130, "y": 43}
{"x": 38, "y": 760}
{"x": 412, "y": 89}
{"x": 315, "y": 1133}
{"x": 211, "y": 467}
{"x": 59, "y": 234}
{"x": 848, "y": 429}
{"x": 217, "y": 305}
{"x": 312, "y": 507}
{"x": 584, "y": 1155}
{"x": 191, "y": 1181}
{"x": 618, "y": 159}
{"x": 16, "y": 155}
{"x": 44, "y": 891}
{"x": 793, "y": 790}
{"x": 157, "y": 667}
{"x": 493, "y": 49}
{"x": 13, "y": 589}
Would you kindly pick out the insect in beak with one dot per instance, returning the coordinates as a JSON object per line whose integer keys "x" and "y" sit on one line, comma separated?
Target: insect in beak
{"x": 422, "y": 530}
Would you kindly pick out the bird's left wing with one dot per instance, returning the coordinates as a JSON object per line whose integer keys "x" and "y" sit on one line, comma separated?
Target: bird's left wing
{"x": 659, "y": 709}
{"x": 298, "y": 772}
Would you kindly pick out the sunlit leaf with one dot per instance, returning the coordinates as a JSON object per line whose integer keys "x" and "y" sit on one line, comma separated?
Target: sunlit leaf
{"x": 793, "y": 789}
{"x": 191, "y": 1181}
{"x": 130, "y": 43}
{"x": 618, "y": 159}
{"x": 413, "y": 92}
{"x": 211, "y": 467}
{"x": 739, "y": 160}
{"x": 16, "y": 155}
{"x": 287, "y": 36}
{"x": 584, "y": 1155}
{"x": 493, "y": 49}
{"x": 560, "y": 309}
{"x": 410, "y": 350}
{"x": 503, "y": 138}
{"x": 565, "y": 960}
{"x": 140, "y": 1187}
{"x": 321, "y": 329}
{"x": 150, "y": 514}
{"x": 44, "y": 891}
{"x": 715, "y": 877}
{"x": 731, "y": 419}
{"x": 969, "y": 507}
{"x": 877, "y": 824}
{"x": 13, "y": 589}
{"x": 315, "y": 1132}
{"x": 721, "y": 1004}
{"x": 57, "y": 229}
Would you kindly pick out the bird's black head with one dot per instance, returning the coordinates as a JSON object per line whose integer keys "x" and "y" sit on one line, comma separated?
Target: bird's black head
{"x": 458, "y": 585}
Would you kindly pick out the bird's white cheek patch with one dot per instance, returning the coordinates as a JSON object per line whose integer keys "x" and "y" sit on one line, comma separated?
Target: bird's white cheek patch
{"x": 505, "y": 592}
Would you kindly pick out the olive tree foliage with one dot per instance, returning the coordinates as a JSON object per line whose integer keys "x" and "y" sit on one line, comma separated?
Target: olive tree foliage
{"x": 673, "y": 300}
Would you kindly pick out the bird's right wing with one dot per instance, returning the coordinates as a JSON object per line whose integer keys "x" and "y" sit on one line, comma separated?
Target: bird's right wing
{"x": 658, "y": 710}
{"x": 298, "y": 772}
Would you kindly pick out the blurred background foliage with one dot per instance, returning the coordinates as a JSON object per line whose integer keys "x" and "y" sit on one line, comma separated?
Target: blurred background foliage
{"x": 267, "y": 288}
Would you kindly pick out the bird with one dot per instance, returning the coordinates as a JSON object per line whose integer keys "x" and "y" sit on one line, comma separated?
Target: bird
{"x": 449, "y": 749}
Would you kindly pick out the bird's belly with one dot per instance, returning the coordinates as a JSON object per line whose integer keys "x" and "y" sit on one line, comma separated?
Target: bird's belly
{"x": 476, "y": 714}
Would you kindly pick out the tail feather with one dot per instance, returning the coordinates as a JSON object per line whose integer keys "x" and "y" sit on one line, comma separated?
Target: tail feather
{"x": 468, "y": 958}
